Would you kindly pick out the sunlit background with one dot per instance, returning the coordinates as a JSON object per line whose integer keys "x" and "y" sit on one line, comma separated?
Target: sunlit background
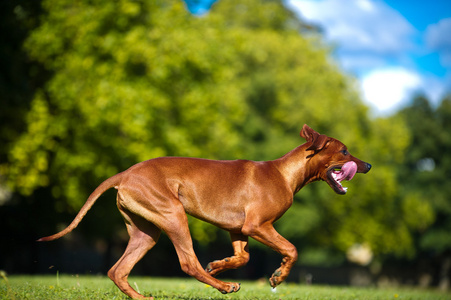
{"x": 90, "y": 88}
{"x": 395, "y": 48}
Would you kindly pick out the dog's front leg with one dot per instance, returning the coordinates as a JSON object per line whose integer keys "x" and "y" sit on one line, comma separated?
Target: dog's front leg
{"x": 267, "y": 235}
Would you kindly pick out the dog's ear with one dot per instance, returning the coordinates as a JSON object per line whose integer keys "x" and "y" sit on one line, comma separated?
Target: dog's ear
{"x": 308, "y": 133}
{"x": 318, "y": 141}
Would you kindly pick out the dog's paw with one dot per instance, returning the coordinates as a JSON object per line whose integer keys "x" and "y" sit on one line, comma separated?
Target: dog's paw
{"x": 273, "y": 281}
{"x": 276, "y": 279}
{"x": 212, "y": 267}
{"x": 232, "y": 288}
{"x": 215, "y": 267}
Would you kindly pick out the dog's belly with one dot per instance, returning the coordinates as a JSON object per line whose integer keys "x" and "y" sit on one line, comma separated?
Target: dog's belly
{"x": 225, "y": 214}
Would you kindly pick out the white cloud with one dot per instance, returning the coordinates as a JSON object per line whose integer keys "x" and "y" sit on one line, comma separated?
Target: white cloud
{"x": 386, "y": 89}
{"x": 438, "y": 37}
{"x": 362, "y": 25}
{"x": 378, "y": 45}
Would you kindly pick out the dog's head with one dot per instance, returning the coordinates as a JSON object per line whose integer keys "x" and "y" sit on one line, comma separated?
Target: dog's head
{"x": 332, "y": 159}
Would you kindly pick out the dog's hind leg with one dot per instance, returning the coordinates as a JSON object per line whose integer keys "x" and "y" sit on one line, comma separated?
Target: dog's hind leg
{"x": 143, "y": 236}
{"x": 177, "y": 230}
{"x": 240, "y": 257}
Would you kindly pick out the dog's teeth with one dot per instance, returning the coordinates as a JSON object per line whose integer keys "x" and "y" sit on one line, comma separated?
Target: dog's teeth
{"x": 345, "y": 188}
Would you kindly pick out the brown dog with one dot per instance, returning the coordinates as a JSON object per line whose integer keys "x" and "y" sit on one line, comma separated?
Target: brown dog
{"x": 243, "y": 197}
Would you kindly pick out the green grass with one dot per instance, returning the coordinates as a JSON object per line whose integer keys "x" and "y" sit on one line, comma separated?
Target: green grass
{"x": 94, "y": 287}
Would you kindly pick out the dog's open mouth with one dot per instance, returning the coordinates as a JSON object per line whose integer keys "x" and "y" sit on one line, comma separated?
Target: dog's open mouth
{"x": 336, "y": 175}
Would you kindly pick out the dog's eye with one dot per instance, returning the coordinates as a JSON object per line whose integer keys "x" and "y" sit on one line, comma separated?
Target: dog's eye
{"x": 344, "y": 152}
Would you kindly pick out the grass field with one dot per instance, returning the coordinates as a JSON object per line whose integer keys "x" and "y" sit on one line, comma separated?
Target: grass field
{"x": 93, "y": 287}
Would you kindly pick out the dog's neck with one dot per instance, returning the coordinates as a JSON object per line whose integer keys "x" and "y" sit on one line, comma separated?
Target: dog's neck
{"x": 296, "y": 167}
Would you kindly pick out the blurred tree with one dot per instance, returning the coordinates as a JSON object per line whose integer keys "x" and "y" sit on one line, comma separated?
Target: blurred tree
{"x": 427, "y": 169}
{"x": 136, "y": 80}
{"x": 18, "y": 80}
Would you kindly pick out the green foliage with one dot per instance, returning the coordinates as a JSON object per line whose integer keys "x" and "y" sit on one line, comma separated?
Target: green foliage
{"x": 89, "y": 287}
{"x": 137, "y": 80}
{"x": 18, "y": 79}
{"x": 426, "y": 172}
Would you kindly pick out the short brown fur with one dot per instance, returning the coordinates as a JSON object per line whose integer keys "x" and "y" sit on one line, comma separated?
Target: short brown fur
{"x": 243, "y": 197}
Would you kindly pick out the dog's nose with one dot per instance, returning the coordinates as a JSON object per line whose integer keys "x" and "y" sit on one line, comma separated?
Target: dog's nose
{"x": 368, "y": 166}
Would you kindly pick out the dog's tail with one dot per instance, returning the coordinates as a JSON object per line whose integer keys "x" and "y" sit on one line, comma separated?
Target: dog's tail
{"x": 107, "y": 184}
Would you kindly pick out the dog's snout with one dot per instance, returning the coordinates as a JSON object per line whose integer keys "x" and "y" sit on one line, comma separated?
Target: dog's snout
{"x": 363, "y": 167}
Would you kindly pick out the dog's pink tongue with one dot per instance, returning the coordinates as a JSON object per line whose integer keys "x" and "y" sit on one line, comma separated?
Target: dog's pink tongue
{"x": 347, "y": 171}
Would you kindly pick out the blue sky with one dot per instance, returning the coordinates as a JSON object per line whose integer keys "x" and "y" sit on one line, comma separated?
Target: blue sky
{"x": 393, "y": 47}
